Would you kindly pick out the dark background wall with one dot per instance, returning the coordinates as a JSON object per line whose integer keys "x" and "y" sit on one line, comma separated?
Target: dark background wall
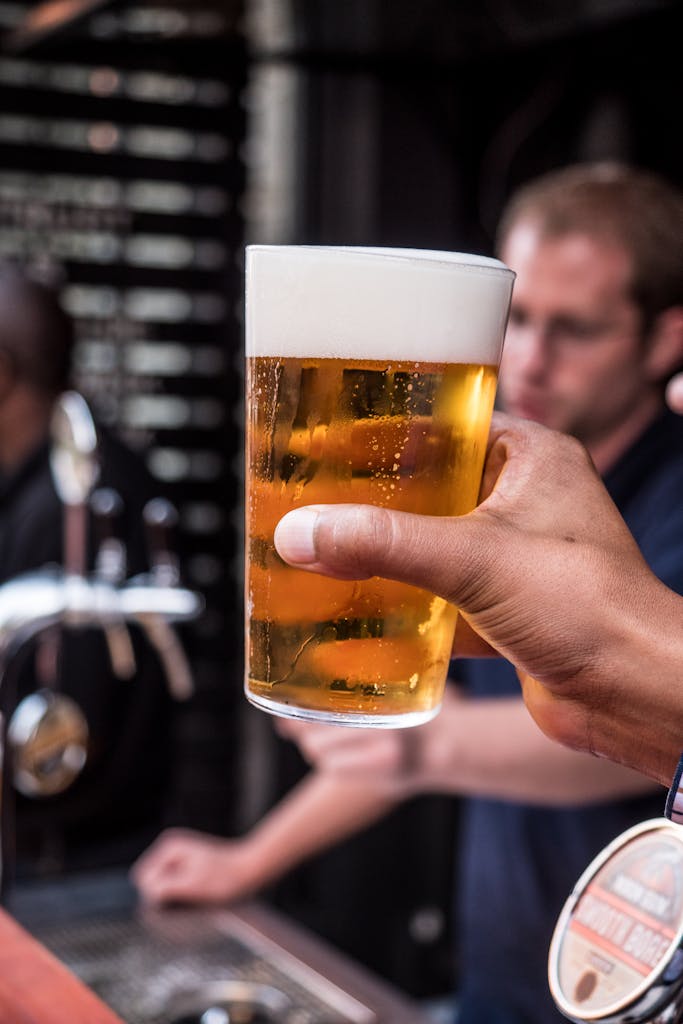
{"x": 125, "y": 170}
{"x": 121, "y": 179}
{"x": 421, "y": 118}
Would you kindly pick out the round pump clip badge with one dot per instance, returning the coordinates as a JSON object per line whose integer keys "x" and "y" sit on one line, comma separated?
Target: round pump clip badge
{"x": 616, "y": 951}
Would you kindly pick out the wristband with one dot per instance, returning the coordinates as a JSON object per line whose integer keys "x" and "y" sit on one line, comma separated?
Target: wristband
{"x": 674, "y": 799}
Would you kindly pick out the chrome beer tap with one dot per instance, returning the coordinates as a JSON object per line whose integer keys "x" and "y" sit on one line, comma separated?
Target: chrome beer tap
{"x": 46, "y": 735}
{"x": 33, "y": 601}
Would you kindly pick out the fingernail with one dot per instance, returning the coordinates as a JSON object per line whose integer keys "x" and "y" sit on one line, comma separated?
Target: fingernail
{"x": 674, "y": 392}
{"x": 294, "y": 536}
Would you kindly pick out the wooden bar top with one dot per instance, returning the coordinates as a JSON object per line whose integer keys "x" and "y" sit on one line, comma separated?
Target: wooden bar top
{"x": 35, "y": 988}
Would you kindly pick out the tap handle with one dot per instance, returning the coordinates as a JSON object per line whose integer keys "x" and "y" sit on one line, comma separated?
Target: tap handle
{"x": 171, "y": 653}
{"x": 120, "y": 646}
{"x": 106, "y": 506}
{"x": 161, "y": 520}
{"x": 73, "y": 450}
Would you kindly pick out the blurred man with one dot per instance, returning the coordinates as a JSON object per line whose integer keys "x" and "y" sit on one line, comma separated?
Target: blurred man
{"x": 108, "y": 814}
{"x": 596, "y": 329}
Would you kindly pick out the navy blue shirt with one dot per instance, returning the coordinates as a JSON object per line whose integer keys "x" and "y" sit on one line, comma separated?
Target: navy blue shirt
{"x": 519, "y": 862}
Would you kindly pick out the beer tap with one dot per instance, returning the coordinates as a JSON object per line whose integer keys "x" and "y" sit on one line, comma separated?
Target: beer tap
{"x": 47, "y": 734}
{"x": 106, "y": 506}
{"x": 31, "y": 602}
{"x": 161, "y": 518}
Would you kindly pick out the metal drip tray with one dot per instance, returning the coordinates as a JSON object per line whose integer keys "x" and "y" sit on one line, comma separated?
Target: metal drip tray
{"x": 162, "y": 967}
{"x": 229, "y": 1002}
{"x": 204, "y": 966}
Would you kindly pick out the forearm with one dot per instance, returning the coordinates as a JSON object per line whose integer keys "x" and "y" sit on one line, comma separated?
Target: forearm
{"x": 492, "y": 748}
{"x": 632, "y": 700}
{"x": 322, "y": 810}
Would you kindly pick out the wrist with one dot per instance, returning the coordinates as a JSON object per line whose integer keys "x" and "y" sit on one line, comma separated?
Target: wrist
{"x": 256, "y": 859}
{"x": 434, "y": 750}
{"x": 674, "y": 801}
{"x": 635, "y": 708}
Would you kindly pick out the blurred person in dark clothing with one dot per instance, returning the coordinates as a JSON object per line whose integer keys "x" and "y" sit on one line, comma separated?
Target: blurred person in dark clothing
{"x": 116, "y": 803}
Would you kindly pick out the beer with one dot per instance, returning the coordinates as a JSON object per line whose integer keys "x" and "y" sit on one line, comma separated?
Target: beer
{"x": 327, "y": 426}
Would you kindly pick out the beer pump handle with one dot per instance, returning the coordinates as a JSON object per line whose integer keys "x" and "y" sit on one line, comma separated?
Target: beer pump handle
{"x": 161, "y": 520}
{"x": 106, "y": 506}
{"x": 171, "y": 655}
{"x": 74, "y": 465}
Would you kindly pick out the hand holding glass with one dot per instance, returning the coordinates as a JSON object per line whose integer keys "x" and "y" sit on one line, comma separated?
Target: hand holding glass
{"x": 371, "y": 377}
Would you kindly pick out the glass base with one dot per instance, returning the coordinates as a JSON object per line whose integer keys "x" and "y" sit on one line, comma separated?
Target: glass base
{"x": 359, "y": 720}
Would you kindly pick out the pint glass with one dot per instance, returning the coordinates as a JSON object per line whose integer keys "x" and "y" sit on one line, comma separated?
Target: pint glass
{"x": 371, "y": 376}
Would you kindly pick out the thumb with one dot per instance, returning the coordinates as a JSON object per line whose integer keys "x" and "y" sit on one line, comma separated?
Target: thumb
{"x": 674, "y": 393}
{"x": 444, "y": 555}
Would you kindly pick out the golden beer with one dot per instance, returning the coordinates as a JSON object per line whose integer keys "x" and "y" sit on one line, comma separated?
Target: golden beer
{"x": 403, "y": 433}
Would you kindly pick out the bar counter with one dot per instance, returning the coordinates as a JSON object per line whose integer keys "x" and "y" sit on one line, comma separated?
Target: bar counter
{"x": 35, "y": 988}
{"x": 82, "y": 951}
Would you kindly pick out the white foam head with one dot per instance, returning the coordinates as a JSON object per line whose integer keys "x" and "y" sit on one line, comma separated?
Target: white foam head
{"x": 372, "y": 303}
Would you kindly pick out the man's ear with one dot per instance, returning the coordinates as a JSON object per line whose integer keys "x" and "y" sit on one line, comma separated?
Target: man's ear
{"x": 665, "y": 348}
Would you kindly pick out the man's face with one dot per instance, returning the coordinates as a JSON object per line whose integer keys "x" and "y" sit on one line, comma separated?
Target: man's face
{"x": 574, "y": 355}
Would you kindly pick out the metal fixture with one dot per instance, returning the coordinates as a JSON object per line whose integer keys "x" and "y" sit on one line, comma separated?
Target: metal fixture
{"x": 616, "y": 956}
{"x": 47, "y": 734}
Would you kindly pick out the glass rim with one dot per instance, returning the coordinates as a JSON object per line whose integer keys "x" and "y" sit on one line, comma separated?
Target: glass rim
{"x": 439, "y": 257}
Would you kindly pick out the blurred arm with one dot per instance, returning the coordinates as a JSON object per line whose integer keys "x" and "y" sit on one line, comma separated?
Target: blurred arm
{"x": 493, "y": 748}
{"x": 474, "y": 747}
{"x": 322, "y": 810}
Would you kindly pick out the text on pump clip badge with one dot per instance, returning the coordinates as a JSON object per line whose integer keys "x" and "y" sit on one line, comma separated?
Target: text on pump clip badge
{"x": 615, "y": 955}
